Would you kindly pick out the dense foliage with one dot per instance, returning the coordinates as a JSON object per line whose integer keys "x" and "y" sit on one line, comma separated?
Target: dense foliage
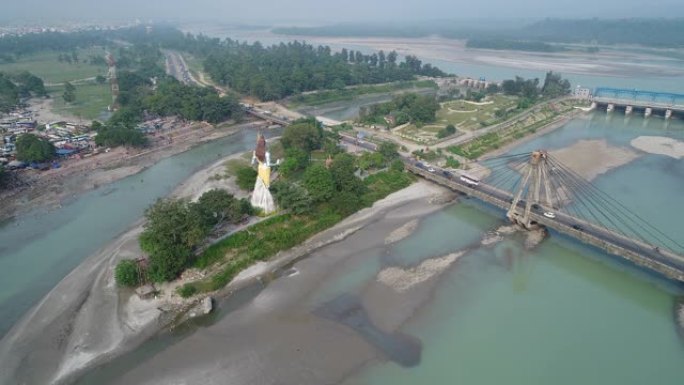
{"x": 528, "y": 89}
{"x": 277, "y": 71}
{"x": 31, "y": 148}
{"x": 13, "y": 87}
{"x": 405, "y": 108}
{"x": 245, "y": 178}
{"x": 114, "y": 135}
{"x": 175, "y": 228}
{"x": 305, "y": 135}
{"x": 126, "y": 273}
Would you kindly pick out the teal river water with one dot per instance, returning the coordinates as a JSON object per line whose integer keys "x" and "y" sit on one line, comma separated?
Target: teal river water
{"x": 39, "y": 249}
{"x": 561, "y": 314}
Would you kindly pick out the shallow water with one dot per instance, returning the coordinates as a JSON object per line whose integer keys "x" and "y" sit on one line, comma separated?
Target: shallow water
{"x": 565, "y": 313}
{"x": 40, "y": 248}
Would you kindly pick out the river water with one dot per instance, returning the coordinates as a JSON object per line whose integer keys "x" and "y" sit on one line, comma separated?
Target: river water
{"x": 564, "y": 313}
{"x": 40, "y": 248}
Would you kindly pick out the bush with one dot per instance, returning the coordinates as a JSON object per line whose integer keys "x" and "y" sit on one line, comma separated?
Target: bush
{"x": 452, "y": 162}
{"x": 187, "y": 290}
{"x": 246, "y": 177}
{"x": 126, "y": 273}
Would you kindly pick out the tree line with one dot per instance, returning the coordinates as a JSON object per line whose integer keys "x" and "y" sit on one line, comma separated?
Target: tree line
{"x": 405, "y": 108}
{"x": 14, "y": 87}
{"x": 529, "y": 90}
{"x": 281, "y": 70}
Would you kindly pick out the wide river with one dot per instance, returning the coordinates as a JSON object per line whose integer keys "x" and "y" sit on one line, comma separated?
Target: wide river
{"x": 562, "y": 314}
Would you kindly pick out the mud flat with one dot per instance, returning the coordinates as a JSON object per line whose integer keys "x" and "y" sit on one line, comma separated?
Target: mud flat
{"x": 86, "y": 321}
{"x": 591, "y": 158}
{"x": 302, "y": 342}
{"x": 659, "y": 145}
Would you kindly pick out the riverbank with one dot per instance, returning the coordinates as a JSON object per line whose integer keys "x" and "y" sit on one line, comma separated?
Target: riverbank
{"x": 88, "y": 297}
{"x": 48, "y": 189}
{"x": 282, "y": 313}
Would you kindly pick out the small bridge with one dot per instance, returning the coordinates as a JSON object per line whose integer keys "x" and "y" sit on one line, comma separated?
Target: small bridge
{"x": 536, "y": 190}
{"x": 632, "y": 100}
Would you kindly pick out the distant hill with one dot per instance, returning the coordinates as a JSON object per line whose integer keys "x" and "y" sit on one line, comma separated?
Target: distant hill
{"x": 661, "y": 32}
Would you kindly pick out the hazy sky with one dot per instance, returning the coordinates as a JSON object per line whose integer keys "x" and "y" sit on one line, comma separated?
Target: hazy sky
{"x": 323, "y": 11}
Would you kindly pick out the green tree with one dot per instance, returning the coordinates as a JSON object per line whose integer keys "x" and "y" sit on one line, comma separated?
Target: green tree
{"x": 306, "y": 136}
{"x": 171, "y": 232}
{"x": 246, "y": 177}
{"x": 319, "y": 182}
{"x": 31, "y": 148}
{"x": 126, "y": 273}
{"x": 342, "y": 170}
{"x": 69, "y": 94}
{"x": 295, "y": 160}
{"x": 389, "y": 151}
{"x": 397, "y": 165}
{"x": 292, "y": 197}
{"x": 215, "y": 206}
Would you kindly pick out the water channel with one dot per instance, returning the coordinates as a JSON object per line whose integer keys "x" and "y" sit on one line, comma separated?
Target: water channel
{"x": 564, "y": 313}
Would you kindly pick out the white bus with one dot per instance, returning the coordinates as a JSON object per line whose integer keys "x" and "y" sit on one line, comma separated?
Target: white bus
{"x": 471, "y": 180}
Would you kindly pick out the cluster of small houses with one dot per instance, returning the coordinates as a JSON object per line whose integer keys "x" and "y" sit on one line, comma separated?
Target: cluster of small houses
{"x": 66, "y": 137}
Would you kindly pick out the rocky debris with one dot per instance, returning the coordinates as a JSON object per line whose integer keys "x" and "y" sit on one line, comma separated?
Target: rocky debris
{"x": 203, "y": 307}
{"x": 506, "y": 230}
{"x": 491, "y": 238}
{"x": 535, "y": 237}
{"x": 443, "y": 198}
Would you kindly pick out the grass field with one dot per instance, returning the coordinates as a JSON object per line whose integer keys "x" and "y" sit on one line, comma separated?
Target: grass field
{"x": 46, "y": 66}
{"x": 516, "y": 130}
{"x": 469, "y": 116}
{"x": 91, "y": 100}
{"x": 329, "y": 96}
{"x": 465, "y": 115}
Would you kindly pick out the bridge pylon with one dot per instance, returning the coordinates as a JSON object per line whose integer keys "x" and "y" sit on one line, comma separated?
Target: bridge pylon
{"x": 535, "y": 190}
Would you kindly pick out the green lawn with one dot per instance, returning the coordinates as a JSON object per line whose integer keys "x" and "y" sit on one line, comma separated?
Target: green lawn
{"x": 91, "y": 100}
{"x": 469, "y": 116}
{"x": 47, "y": 67}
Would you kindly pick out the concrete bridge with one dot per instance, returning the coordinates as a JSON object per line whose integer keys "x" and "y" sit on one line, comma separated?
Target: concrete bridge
{"x": 630, "y": 101}
{"x": 657, "y": 259}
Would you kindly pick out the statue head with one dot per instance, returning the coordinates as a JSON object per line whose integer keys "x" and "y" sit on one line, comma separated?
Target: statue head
{"x": 260, "y": 151}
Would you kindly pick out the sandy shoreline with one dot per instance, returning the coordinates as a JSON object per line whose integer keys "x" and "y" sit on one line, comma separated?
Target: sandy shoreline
{"x": 65, "y": 328}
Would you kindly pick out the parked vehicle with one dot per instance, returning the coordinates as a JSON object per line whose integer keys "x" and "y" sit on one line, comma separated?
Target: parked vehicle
{"x": 549, "y": 214}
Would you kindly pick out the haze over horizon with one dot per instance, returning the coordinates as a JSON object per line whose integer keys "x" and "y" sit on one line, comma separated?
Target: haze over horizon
{"x": 317, "y": 12}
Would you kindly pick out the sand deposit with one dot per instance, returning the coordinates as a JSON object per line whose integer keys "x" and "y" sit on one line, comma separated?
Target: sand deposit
{"x": 404, "y": 231}
{"x": 404, "y": 279}
{"x": 659, "y": 145}
{"x": 591, "y": 158}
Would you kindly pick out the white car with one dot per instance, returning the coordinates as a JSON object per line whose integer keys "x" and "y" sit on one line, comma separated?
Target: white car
{"x": 431, "y": 169}
{"x": 549, "y": 214}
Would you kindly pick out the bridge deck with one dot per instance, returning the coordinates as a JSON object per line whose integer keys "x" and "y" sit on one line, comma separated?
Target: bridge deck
{"x": 669, "y": 264}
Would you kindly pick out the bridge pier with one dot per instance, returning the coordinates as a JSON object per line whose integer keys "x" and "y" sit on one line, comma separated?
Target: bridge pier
{"x": 628, "y": 110}
{"x": 668, "y": 114}
{"x": 648, "y": 112}
{"x": 610, "y": 108}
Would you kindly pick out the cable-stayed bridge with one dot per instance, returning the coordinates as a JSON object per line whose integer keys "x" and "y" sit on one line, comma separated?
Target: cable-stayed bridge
{"x": 536, "y": 190}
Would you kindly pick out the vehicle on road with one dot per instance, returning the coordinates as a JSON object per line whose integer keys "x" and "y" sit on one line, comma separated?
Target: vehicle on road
{"x": 549, "y": 214}
{"x": 578, "y": 227}
{"x": 431, "y": 169}
{"x": 446, "y": 174}
{"x": 469, "y": 179}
